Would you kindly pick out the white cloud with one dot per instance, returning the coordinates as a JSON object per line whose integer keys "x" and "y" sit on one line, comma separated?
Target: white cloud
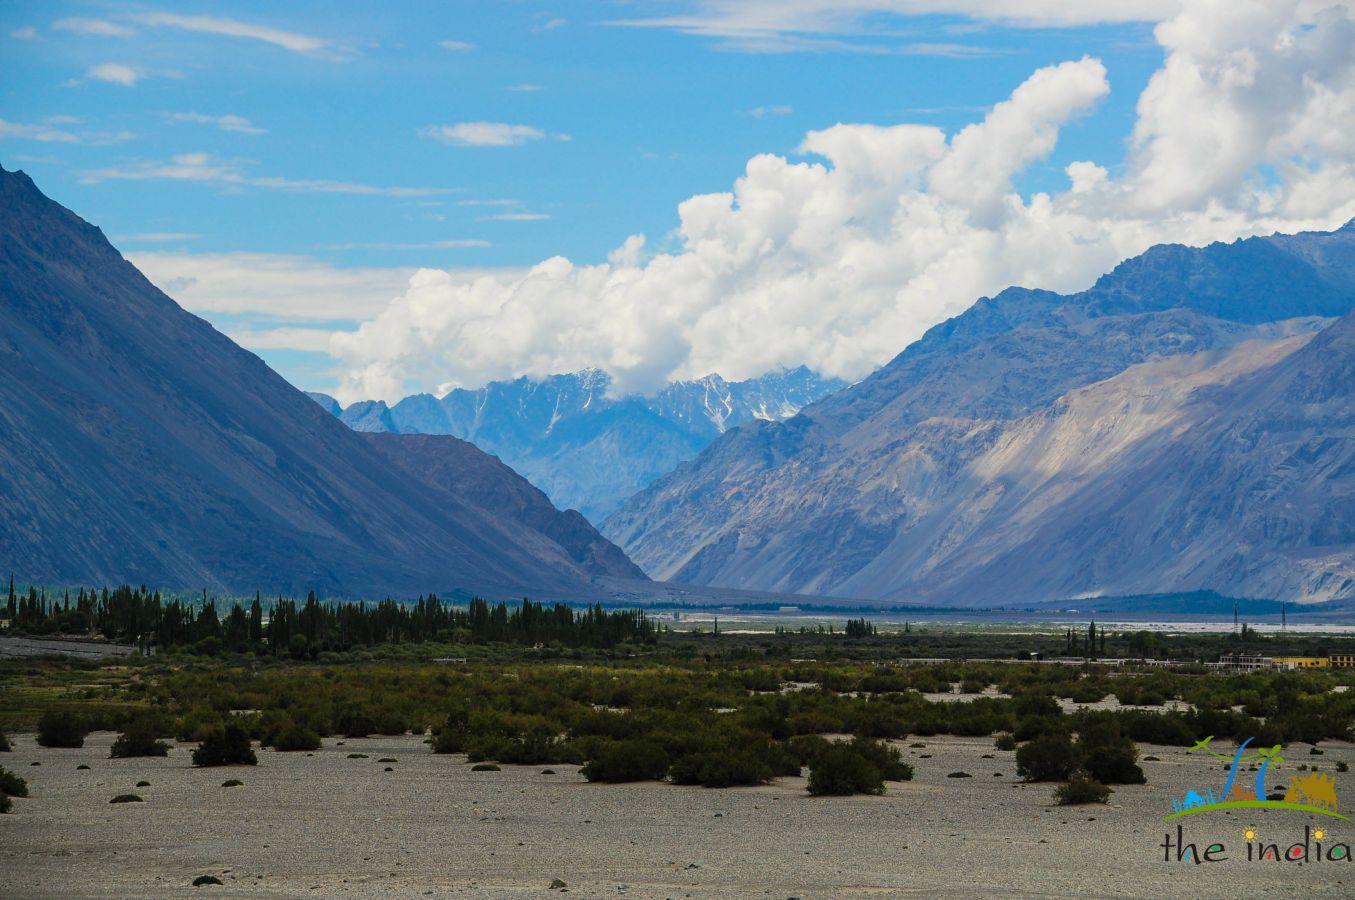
{"x": 839, "y": 260}
{"x": 288, "y": 40}
{"x": 116, "y": 73}
{"x": 315, "y": 340}
{"x": 26, "y": 33}
{"x": 483, "y": 134}
{"x": 523, "y": 88}
{"x": 206, "y": 169}
{"x": 515, "y": 217}
{"x": 99, "y": 27}
{"x": 271, "y": 284}
{"x": 457, "y": 46}
{"x": 552, "y": 24}
{"x": 45, "y": 133}
{"x": 238, "y": 124}
{"x": 767, "y": 112}
{"x": 778, "y": 25}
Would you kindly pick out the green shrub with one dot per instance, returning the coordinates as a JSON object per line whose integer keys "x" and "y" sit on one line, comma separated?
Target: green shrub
{"x": 138, "y": 740}
{"x": 126, "y": 798}
{"x": 451, "y": 736}
{"x": 632, "y": 760}
{"x": 1049, "y": 757}
{"x": 887, "y": 759}
{"x": 1005, "y": 741}
{"x": 296, "y": 738}
{"x": 143, "y": 784}
{"x": 1343, "y": 766}
{"x": 232, "y": 782}
{"x": 355, "y": 722}
{"x": 840, "y": 770}
{"x": 212, "y": 879}
{"x": 1079, "y": 789}
{"x": 62, "y": 729}
{"x": 6, "y": 804}
{"x": 12, "y": 784}
{"x": 484, "y": 767}
{"x": 4, "y": 743}
{"x": 720, "y": 769}
{"x": 1107, "y": 755}
{"x": 226, "y": 746}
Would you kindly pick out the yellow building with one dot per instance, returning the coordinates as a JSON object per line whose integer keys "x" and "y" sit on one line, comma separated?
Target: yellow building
{"x": 1342, "y": 660}
{"x": 1303, "y": 662}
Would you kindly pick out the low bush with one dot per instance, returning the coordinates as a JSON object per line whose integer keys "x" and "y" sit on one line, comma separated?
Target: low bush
{"x": 1005, "y": 741}
{"x": 6, "y": 804}
{"x": 62, "y": 729}
{"x": 484, "y": 767}
{"x": 632, "y": 760}
{"x": 720, "y": 769}
{"x": 1049, "y": 757}
{"x": 1079, "y": 789}
{"x": 12, "y": 784}
{"x": 296, "y": 738}
{"x": 138, "y": 740}
{"x": 208, "y": 879}
{"x": 4, "y": 743}
{"x": 840, "y": 770}
{"x": 126, "y": 798}
{"x": 232, "y": 782}
{"x": 226, "y": 746}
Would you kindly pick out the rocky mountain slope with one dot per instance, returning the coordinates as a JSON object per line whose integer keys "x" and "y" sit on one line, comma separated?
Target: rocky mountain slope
{"x": 141, "y": 445}
{"x": 586, "y": 450}
{"x": 1175, "y": 427}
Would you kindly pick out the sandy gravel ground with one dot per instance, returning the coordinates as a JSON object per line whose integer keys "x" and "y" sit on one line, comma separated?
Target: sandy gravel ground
{"x": 330, "y": 826}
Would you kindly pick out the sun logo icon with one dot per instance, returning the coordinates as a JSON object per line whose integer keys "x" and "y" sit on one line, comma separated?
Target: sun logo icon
{"x": 1319, "y": 834}
{"x": 1250, "y": 834}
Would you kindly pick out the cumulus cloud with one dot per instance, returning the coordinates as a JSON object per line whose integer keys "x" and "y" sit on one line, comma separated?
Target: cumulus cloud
{"x": 207, "y": 169}
{"x": 483, "y": 134}
{"x": 842, "y": 256}
{"x": 116, "y": 73}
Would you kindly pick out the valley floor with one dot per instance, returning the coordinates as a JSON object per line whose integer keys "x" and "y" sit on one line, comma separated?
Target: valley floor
{"x": 331, "y": 826}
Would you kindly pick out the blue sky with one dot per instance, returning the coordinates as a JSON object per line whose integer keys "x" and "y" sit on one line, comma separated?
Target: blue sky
{"x": 474, "y": 136}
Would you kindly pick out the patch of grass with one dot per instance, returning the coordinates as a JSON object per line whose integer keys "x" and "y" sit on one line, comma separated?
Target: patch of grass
{"x": 81, "y": 768}
{"x": 386, "y": 759}
{"x": 126, "y": 798}
{"x": 143, "y": 784}
{"x": 357, "y": 756}
{"x": 484, "y": 767}
{"x": 6, "y": 804}
{"x": 232, "y": 782}
{"x": 547, "y": 771}
{"x": 959, "y": 775}
{"x": 202, "y": 880}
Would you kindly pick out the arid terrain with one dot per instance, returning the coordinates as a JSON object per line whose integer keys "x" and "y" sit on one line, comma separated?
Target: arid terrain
{"x": 334, "y": 826}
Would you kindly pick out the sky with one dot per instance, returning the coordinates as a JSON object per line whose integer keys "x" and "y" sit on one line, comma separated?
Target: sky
{"x": 433, "y": 195}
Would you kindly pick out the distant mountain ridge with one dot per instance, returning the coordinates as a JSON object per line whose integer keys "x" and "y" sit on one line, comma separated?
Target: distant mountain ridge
{"x": 1040, "y": 447}
{"x": 143, "y": 446}
{"x": 586, "y": 450}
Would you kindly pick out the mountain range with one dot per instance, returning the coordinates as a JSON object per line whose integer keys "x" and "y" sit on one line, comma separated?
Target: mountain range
{"x": 587, "y": 450}
{"x": 143, "y": 446}
{"x": 1187, "y": 423}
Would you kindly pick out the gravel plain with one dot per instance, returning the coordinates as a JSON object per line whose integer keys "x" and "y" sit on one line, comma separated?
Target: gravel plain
{"x": 330, "y": 826}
